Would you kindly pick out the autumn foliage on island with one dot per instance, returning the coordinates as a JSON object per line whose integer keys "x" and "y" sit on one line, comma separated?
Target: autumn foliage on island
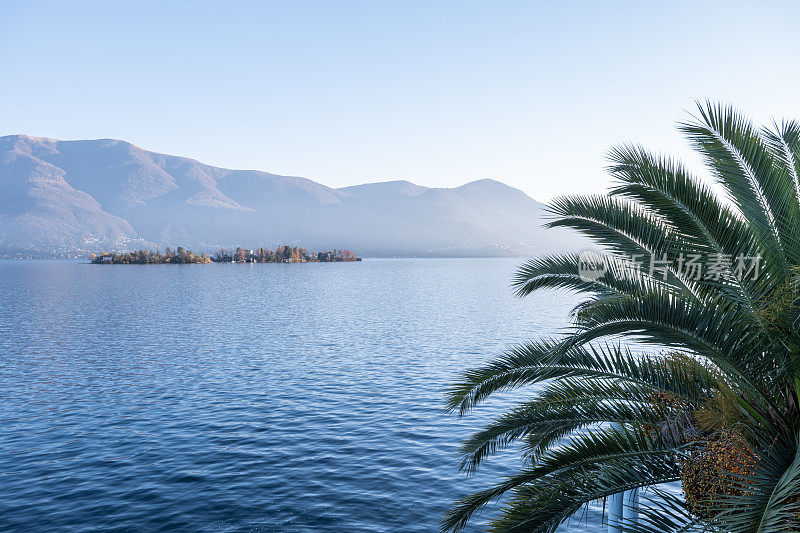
{"x": 282, "y": 254}
{"x": 143, "y": 257}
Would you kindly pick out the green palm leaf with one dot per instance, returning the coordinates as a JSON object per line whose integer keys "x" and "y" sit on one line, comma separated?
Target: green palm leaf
{"x": 723, "y": 379}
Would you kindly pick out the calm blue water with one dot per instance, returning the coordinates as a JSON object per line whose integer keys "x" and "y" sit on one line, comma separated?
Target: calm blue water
{"x": 246, "y": 397}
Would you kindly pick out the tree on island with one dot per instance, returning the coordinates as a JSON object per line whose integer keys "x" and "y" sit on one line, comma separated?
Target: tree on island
{"x": 240, "y": 256}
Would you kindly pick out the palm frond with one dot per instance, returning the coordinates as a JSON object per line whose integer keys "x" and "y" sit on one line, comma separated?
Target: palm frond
{"x": 724, "y": 375}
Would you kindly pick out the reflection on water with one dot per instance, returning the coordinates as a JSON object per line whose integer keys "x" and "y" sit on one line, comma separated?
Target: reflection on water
{"x": 261, "y": 397}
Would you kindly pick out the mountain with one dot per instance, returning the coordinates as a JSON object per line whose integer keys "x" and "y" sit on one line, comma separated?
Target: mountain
{"x": 385, "y": 189}
{"x": 59, "y": 197}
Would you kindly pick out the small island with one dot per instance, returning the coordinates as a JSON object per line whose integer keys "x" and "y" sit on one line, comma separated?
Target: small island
{"x": 181, "y": 256}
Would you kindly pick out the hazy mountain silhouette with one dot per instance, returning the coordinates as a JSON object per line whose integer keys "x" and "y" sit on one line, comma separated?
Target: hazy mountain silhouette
{"x": 81, "y": 196}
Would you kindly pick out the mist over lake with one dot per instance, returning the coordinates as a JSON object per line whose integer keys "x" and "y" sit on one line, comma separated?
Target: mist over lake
{"x": 248, "y": 397}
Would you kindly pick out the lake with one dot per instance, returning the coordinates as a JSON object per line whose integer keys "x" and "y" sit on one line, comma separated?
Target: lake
{"x": 248, "y": 397}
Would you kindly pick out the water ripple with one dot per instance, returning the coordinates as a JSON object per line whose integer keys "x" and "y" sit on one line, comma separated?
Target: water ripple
{"x": 246, "y": 397}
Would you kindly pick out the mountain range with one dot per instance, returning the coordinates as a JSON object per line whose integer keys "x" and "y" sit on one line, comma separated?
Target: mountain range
{"x": 75, "y": 197}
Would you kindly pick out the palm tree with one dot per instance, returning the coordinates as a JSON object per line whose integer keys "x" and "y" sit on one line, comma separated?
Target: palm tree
{"x": 708, "y": 286}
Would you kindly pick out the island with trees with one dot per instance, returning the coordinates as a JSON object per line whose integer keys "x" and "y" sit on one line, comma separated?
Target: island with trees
{"x": 282, "y": 254}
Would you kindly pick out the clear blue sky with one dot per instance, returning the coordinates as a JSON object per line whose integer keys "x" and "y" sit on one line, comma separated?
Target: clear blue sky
{"x": 439, "y": 93}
